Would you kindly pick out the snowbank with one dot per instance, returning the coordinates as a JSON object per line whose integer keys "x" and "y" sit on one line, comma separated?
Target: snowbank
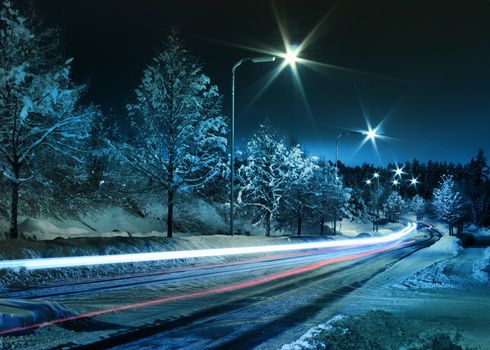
{"x": 19, "y": 249}
{"x": 20, "y": 313}
{"x": 198, "y": 216}
{"x": 478, "y": 231}
{"x": 463, "y": 268}
{"x": 377, "y": 330}
{"x": 481, "y": 269}
{"x": 438, "y": 274}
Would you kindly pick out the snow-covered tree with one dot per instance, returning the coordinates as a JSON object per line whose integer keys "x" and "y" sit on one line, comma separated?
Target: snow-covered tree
{"x": 40, "y": 115}
{"x": 394, "y": 206}
{"x": 418, "y": 205}
{"x": 356, "y": 208}
{"x": 263, "y": 176}
{"x": 330, "y": 195}
{"x": 299, "y": 194}
{"x": 179, "y": 133}
{"x": 447, "y": 202}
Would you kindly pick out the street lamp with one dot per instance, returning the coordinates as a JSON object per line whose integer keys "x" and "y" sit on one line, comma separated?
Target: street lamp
{"x": 398, "y": 171}
{"x": 413, "y": 181}
{"x": 376, "y": 212}
{"x": 263, "y": 59}
{"x": 371, "y": 134}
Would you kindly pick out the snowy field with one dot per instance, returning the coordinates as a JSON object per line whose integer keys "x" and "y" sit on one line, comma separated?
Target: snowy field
{"x": 438, "y": 298}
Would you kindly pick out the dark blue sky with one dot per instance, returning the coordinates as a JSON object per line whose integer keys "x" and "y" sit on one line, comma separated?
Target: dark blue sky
{"x": 428, "y": 65}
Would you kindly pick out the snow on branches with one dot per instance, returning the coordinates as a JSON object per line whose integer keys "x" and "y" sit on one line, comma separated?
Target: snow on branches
{"x": 179, "y": 133}
{"x": 40, "y": 113}
{"x": 447, "y": 202}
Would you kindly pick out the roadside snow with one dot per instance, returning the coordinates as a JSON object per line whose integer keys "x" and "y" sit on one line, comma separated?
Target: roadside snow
{"x": 311, "y": 339}
{"x": 438, "y": 274}
{"x": 19, "y": 249}
{"x": 45, "y": 338}
{"x": 377, "y": 330}
{"x": 20, "y": 313}
{"x": 481, "y": 269}
{"x": 463, "y": 268}
{"x": 478, "y": 231}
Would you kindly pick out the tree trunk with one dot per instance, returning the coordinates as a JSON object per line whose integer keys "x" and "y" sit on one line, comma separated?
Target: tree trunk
{"x": 170, "y": 196}
{"x": 300, "y": 220}
{"x": 14, "y": 205}
{"x": 460, "y": 229}
{"x": 267, "y": 223}
{"x": 170, "y": 212}
{"x": 14, "y": 211}
{"x": 322, "y": 225}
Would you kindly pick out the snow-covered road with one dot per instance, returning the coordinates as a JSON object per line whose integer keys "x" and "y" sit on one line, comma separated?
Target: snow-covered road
{"x": 242, "y": 304}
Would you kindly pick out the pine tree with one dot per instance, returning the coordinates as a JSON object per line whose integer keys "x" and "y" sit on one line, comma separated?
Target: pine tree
{"x": 179, "y": 133}
{"x": 41, "y": 120}
{"x": 477, "y": 187}
{"x": 448, "y": 202}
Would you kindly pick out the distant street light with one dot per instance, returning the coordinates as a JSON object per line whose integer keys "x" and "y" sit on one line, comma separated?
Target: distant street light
{"x": 413, "y": 181}
{"x": 376, "y": 211}
{"x": 232, "y": 127}
{"x": 398, "y": 171}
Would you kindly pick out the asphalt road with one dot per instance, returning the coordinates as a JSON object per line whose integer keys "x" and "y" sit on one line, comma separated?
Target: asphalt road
{"x": 255, "y": 303}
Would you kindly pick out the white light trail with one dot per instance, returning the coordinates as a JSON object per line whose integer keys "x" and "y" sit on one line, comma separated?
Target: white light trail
{"x": 62, "y": 262}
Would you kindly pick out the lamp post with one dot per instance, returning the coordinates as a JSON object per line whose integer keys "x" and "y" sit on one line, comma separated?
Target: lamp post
{"x": 376, "y": 212}
{"x": 337, "y": 175}
{"x": 370, "y": 134}
{"x": 369, "y": 183}
{"x": 232, "y": 126}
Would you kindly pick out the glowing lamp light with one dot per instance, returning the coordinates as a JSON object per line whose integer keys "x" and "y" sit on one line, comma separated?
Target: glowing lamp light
{"x": 368, "y": 182}
{"x": 414, "y": 181}
{"x": 376, "y": 175}
{"x": 371, "y": 134}
{"x": 291, "y": 57}
{"x": 396, "y": 182}
{"x": 398, "y": 171}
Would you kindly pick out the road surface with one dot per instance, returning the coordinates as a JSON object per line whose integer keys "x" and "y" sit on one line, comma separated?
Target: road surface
{"x": 256, "y": 303}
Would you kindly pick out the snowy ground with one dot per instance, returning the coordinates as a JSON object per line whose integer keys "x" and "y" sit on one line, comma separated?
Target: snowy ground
{"x": 376, "y": 330}
{"x": 438, "y": 298}
{"x": 76, "y": 238}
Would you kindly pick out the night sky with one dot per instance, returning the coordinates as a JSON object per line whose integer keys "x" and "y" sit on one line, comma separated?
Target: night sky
{"x": 424, "y": 67}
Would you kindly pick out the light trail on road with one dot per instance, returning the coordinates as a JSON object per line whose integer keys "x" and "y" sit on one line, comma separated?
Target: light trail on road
{"x": 75, "y": 261}
{"x": 203, "y": 293}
